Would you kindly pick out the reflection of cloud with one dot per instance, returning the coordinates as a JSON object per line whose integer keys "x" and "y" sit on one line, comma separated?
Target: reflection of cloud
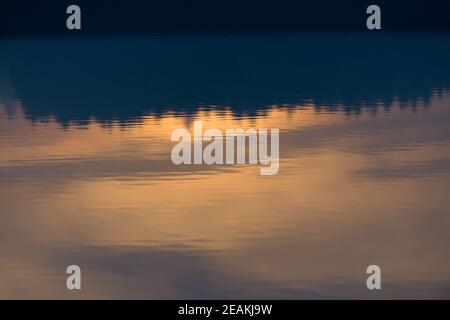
{"x": 409, "y": 170}
{"x": 121, "y": 272}
{"x": 142, "y": 272}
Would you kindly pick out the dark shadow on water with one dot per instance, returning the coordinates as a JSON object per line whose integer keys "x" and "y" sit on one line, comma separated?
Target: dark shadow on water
{"x": 77, "y": 79}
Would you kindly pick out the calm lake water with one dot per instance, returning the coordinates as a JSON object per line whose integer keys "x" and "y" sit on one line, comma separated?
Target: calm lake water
{"x": 86, "y": 176}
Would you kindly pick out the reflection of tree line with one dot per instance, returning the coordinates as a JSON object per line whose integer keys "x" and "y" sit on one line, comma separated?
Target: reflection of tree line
{"x": 75, "y": 80}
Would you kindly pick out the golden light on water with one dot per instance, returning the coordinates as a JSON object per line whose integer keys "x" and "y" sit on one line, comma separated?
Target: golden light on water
{"x": 348, "y": 188}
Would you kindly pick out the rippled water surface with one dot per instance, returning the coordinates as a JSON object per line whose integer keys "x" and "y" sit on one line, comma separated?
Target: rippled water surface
{"x": 86, "y": 176}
